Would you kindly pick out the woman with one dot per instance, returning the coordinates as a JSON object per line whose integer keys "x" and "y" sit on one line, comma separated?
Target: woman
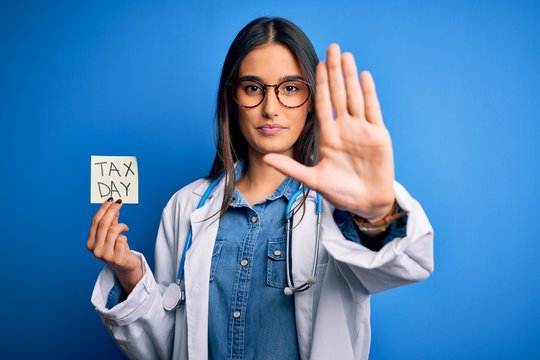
{"x": 275, "y": 132}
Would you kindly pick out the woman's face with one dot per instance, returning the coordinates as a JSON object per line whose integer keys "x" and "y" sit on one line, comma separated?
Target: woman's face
{"x": 270, "y": 127}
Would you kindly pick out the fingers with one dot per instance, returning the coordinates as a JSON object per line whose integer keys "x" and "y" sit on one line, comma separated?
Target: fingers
{"x": 105, "y": 250}
{"x": 95, "y": 222}
{"x": 335, "y": 80}
{"x": 116, "y": 217}
{"x": 121, "y": 247}
{"x": 112, "y": 248}
{"x": 292, "y": 168}
{"x": 323, "y": 104}
{"x": 107, "y": 243}
{"x": 105, "y": 230}
{"x": 106, "y": 221}
{"x": 338, "y": 87}
{"x": 355, "y": 99}
{"x": 372, "y": 107}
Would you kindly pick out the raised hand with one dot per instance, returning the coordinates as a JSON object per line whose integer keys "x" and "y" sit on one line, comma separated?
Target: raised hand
{"x": 356, "y": 170}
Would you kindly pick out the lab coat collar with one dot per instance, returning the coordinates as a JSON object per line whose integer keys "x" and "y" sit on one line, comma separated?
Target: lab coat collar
{"x": 290, "y": 186}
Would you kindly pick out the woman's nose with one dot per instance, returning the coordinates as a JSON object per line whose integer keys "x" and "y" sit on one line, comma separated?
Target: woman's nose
{"x": 271, "y": 104}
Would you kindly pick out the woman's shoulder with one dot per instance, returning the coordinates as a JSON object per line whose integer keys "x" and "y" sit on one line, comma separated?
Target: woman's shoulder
{"x": 184, "y": 201}
{"x": 191, "y": 192}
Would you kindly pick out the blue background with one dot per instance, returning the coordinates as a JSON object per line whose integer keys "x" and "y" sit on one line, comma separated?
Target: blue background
{"x": 459, "y": 87}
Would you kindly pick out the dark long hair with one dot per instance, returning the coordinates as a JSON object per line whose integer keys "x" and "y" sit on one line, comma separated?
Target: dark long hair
{"x": 231, "y": 145}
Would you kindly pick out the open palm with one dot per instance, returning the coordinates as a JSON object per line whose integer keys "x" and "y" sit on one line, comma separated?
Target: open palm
{"x": 356, "y": 170}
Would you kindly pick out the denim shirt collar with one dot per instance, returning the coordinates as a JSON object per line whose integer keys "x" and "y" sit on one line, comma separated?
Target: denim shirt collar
{"x": 287, "y": 188}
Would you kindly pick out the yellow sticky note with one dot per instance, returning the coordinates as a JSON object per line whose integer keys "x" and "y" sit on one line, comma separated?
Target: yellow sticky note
{"x": 116, "y": 176}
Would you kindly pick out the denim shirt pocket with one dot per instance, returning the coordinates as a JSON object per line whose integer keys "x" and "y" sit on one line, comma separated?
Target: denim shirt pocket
{"x": 215, "y": 256}
{"x": 276, "y": 268}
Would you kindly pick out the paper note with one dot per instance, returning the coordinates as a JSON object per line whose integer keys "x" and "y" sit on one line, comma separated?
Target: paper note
{"x": 115, "y": 176}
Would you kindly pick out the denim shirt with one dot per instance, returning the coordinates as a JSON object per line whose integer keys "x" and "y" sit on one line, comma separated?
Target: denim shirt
{"x": 249, "y": 315}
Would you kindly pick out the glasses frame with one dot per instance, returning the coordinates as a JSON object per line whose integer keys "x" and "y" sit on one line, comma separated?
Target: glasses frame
{"x": 276, "y": 91}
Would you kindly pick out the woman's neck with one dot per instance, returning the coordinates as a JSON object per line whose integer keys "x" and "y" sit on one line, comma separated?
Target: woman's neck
{"x": 259, "y": 181}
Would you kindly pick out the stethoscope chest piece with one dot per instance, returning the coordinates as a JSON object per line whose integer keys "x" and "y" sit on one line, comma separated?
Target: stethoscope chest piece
{"x": 174, "y": 296}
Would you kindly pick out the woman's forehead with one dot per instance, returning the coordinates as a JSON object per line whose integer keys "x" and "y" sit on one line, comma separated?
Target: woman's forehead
{"x": 270, "y": 62}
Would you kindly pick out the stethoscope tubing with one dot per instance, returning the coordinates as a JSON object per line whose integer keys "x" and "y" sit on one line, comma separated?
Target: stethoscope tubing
{"x": 189, "y": 237}
{"x": 291, "y": 289}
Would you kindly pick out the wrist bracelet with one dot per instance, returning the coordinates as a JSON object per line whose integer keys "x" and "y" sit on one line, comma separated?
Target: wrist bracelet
{"x": 379, "y": 225}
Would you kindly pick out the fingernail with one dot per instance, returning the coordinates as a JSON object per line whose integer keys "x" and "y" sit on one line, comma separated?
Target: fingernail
{"x": 119, "y": 201}
{"x": 110, "y": 199}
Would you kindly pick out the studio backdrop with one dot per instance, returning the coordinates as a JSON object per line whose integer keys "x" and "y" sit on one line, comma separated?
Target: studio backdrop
{"x": 458, "y": 82}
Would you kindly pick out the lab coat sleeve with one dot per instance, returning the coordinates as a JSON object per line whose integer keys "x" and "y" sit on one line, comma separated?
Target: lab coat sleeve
{"x": 139, "y": 325}
{"x": 401, "y": 261}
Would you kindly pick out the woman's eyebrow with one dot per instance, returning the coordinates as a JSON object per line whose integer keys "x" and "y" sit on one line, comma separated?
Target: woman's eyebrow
{"x": 250, "y": 78}
{"x": 259, "y": 79}
{"x": 291, "y": 77}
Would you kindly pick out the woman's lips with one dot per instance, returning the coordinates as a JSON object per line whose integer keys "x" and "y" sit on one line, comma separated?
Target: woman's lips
{"x": 270, "y": 130}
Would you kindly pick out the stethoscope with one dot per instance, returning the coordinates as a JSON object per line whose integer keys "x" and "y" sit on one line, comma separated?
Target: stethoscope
{"x": 174, "y": 295}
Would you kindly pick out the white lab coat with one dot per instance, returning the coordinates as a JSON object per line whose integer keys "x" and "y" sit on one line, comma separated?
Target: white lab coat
{"x": 332, "y": 317}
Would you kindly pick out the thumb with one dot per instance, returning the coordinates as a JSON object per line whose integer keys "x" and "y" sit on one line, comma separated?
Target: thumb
{"x": 292, "y": 168}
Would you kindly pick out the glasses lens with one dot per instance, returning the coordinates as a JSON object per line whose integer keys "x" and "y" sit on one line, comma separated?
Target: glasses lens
{"x": 293, "y": 93}
{"x": 249, "y": 93}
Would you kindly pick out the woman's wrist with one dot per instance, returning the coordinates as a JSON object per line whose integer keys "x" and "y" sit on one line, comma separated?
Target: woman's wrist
{"x": 129, "y": 277}
{"x": 376, "y": 225}
{"x": 380, "y": 213}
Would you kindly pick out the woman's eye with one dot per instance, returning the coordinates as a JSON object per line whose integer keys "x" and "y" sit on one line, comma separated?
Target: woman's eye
{"x": 290, "y": 88}
{"x": 252, "y": 89}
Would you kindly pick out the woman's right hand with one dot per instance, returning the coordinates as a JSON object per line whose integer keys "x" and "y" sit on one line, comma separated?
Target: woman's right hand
{"x": 107, "y": 243}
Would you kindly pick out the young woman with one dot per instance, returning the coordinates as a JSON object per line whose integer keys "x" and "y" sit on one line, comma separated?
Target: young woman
{"x": 253, "y": 290}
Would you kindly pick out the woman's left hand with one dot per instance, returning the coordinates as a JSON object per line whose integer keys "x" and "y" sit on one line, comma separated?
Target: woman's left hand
{"x": 356, "y": 169}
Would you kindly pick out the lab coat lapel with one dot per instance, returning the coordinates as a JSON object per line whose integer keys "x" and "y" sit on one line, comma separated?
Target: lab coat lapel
{"x": 302, "y": 252}
{"x": 303, "y": 241}
{"x": 197, "y": 269}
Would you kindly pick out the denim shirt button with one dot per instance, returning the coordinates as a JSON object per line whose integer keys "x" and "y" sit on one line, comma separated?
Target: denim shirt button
{"x": 277, "y": 253}
{"x": 243, "y": 262}
{"x": 236, "y": 314}
{"x": 254, "y": 219}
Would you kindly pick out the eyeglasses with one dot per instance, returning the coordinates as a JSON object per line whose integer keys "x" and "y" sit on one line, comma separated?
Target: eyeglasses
{"x": 250, "y": 93}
